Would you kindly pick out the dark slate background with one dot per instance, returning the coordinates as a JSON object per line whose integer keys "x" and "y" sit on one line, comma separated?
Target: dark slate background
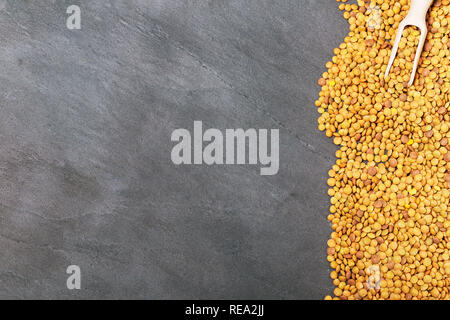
{"x": 85, "y": 172}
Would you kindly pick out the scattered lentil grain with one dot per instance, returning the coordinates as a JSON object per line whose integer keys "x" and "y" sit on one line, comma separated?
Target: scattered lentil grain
{"x": 390, "y": 185}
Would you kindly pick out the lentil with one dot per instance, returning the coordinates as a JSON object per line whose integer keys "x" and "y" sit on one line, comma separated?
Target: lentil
{"x": 390, "y": 185}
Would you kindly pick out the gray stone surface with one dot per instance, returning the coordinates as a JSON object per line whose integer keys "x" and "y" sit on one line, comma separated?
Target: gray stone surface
{"x": 85, "y": 171}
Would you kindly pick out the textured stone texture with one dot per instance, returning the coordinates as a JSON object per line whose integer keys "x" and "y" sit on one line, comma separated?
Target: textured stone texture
{"x": 85, "y": 170}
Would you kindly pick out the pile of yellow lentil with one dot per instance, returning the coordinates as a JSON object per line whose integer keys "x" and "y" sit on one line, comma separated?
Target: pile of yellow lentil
{"x": 389, "y": 187}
